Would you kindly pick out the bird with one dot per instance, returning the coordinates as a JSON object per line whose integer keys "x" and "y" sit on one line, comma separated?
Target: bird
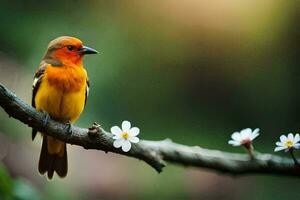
{"x": 60, "y": 91}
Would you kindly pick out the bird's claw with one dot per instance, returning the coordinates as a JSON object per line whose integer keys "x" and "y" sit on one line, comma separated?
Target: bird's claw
{"x": 45, "y": 118}
{"x": 69, "y": 128}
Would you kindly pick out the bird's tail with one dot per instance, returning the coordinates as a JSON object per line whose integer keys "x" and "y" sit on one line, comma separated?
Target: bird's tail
{"x": 53, "y": 157}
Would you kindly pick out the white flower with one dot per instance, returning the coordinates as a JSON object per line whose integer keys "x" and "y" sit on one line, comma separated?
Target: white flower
{"x": 125, "y": 136}
{"x": 244, "y": 137}
{"x": 287, "y": 143}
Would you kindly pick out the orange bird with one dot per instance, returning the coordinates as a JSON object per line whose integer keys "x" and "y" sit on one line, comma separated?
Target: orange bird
{"x": 60, "y": 89}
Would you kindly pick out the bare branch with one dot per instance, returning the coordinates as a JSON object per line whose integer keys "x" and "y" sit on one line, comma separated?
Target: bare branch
{"x": 155, "y": 153}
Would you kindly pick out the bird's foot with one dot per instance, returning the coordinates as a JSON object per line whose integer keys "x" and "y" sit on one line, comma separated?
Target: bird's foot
{"x": 46, "y": 118}
{"x": 69, "y": 128}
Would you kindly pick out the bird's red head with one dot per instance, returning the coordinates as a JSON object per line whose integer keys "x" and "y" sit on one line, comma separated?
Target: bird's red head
{"x": 67, "y": 50}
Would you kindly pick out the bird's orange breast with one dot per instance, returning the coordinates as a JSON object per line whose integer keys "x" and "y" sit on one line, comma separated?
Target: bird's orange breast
{"x": 66, "y": 79}
{"x": 62, "y": 92}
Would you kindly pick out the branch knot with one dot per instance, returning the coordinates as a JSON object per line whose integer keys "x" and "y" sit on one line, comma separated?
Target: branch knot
{"x": 95, "y": 129}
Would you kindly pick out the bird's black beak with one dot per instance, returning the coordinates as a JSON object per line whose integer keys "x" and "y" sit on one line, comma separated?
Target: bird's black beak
{"x": 87, "y": 50}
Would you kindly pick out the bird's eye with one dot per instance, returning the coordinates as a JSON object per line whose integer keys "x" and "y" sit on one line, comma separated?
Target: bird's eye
{"x": 70, "y": 47}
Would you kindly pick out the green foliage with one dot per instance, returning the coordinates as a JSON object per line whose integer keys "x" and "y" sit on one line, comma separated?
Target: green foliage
{"x": 19, "y": 189}
{"x": 6, "y": 184}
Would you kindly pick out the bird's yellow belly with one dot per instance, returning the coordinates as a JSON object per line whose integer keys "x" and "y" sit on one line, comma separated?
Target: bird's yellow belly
{"x": 61, "y": 105}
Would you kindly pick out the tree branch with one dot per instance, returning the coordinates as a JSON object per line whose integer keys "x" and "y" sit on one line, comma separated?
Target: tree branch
{"x": 155, "y": 153}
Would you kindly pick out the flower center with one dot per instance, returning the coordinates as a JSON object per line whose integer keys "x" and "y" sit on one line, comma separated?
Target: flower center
{"x": 289, "y": 143}
{"x": 125, "y": 135}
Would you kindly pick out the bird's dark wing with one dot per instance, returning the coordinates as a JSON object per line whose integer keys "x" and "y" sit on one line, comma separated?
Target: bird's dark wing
{"x": 35, "y": 86}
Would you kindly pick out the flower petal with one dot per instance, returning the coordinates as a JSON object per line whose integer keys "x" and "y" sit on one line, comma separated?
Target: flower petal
{"x": 116, "y": 130}
{"x": 253, "y": 136}
{"x": 126, "y": 126}
{"x": 280, "y": 144}
{"x": 118, "y": 143}
{"x": 296, "y": 146}
{"x": 133, "y": 139}
{"x": 255, "y": 131}
{"x": 126, "y": 146}
{"x": 246, "y": 131}
{"x": 297, "y": 138}
{"x": 236, "y": 136}
{"x": 246, "y": 134}
{"x": 134, "y": 131}
{"x": 283, "y": 138}
{"x": 117, "y": 137}
{"x": 291, "y": 136}
{"x": 279, "y": 148}
{"x": 234, "y": 143}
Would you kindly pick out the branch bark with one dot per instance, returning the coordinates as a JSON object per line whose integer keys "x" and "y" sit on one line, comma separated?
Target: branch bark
{"x": 155, "y": 153}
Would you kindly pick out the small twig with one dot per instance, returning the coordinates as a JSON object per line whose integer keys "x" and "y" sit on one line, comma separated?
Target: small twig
{"x": 291, "y": 150}
{"x": 250, "y": 149}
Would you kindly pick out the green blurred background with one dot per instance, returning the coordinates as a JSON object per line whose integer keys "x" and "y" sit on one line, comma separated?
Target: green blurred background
{"x": 193, "y": 71}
